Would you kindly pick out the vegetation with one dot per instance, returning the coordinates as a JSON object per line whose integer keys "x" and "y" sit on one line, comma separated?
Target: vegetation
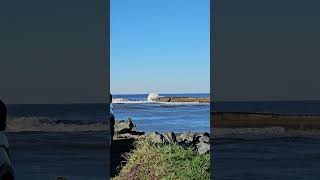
{"x": 164, "y": 161}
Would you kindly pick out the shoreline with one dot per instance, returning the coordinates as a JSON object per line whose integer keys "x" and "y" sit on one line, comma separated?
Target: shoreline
{"x": 199, "y": 141}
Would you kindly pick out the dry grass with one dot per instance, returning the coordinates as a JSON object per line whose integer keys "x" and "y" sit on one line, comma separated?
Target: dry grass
{"x": 164, "y": 161}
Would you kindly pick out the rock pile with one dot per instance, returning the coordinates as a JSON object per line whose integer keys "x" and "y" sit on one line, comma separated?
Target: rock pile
{"x": 198, "y": 141}
{"x": 126, "y": 129}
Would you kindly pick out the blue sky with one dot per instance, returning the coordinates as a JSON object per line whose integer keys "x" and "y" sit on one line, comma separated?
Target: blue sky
{"x": 160, "y": 45}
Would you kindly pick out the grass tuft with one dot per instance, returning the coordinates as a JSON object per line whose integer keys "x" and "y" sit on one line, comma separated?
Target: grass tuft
{"x": 164, "y": 161}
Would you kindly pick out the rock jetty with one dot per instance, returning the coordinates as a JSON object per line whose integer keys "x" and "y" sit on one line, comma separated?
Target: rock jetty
{"x": 181, "y": 99}
{"x": 198, "y": 141}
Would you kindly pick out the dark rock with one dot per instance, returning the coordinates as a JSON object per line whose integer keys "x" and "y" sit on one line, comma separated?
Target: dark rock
{"x": 122, "y": 127}
{"x": 199, "y": 142}
{"x": 137, "y": 133}
{"x": 203, "y": 137}
{"x": 169, "y": 137}
{"x": 130, "y": 136}
{"x": 155, "y": 137}
{"x": 187, "y": 138}
{"x": 163, "y": 99}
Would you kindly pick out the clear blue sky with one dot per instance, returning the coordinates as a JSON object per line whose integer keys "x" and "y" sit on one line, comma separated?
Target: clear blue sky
{"x": 161, "y": 45}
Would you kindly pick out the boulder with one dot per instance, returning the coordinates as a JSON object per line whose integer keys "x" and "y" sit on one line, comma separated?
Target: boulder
{"x": 122, "y": 127}
{"x": 199, "y": 142}
{"x": 203, "y": 137}
{"x": 155, "y": 137}
{"x": 203, "y": 148}
{"x": 187, "y": 138}
{"x": 169, "y": 137}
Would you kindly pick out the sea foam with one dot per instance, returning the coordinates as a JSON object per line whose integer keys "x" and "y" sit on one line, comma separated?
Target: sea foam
{"x": 152, "y": 96}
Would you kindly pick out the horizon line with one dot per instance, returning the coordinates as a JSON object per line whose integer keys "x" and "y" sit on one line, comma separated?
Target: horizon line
{"x": 159, "y": 93}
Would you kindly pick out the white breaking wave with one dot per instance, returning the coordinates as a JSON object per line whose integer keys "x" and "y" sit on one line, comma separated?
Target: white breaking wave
{"x": 119, "y": 100}
{"x": 126, "y": 101}
{"x": 21, "y": 124}
{"x": 152, "y": 97}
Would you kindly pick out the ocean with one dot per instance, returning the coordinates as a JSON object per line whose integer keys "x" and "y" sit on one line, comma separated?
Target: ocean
{"x": 163, "y": 117}
{"x": 48, "y": 141}
{"x": 70, "y": 140}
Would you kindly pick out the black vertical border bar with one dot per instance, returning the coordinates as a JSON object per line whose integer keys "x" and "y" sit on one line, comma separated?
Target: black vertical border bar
{"x": 108, "y": 79}
{"x": 105, "y": 36}
{"x": 215, "y": 44}
{"x": 106, "y": 47}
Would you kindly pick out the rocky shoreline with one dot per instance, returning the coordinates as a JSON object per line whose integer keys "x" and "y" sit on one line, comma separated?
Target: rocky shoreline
{"x": 198, "y": 141}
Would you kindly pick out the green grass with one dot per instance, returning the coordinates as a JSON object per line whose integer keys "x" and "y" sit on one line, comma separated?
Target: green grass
{"x": 164, "y": 161}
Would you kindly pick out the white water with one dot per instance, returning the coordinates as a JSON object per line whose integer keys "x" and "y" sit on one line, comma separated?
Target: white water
{"x": 127, "y": 101}
{"x": 152, "y": 97}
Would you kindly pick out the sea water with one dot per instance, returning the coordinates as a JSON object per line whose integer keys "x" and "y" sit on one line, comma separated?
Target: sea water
{"x": 70, "y": 140}
{"x": 61, "y": 146}
{"x": 152, "y": 116}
